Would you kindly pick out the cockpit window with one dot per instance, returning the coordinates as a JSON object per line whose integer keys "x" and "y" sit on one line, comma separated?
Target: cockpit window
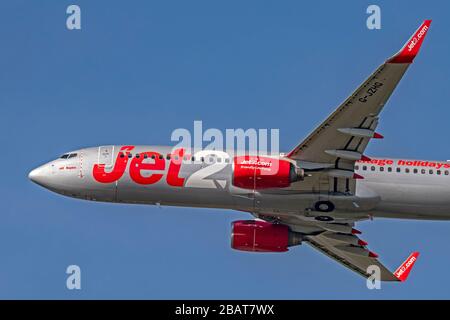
{"x": 68, "y": 155}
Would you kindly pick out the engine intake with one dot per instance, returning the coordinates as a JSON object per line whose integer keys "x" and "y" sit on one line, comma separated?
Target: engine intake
{"x": 255, "y": 172}
{"x": 262, "y": 236}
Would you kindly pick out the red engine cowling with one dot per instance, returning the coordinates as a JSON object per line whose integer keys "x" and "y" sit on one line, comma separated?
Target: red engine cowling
{"x": 262, "y": 236}
{"x": 254, "y": 172}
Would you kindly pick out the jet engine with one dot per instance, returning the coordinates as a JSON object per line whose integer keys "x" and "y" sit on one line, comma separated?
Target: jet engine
{"x": 254, "y": 172}
{"x": 262, "y": 236}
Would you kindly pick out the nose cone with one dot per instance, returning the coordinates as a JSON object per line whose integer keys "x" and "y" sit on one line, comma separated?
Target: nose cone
{"x": 38, "y": 175}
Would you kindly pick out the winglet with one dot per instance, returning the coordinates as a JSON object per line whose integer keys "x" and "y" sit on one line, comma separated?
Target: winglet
{"x": 411, "y": 48}
{"x": 403, "y": 271}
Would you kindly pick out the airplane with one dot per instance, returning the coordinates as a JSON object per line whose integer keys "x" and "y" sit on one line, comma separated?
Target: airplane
{"x": 314, "y": 194}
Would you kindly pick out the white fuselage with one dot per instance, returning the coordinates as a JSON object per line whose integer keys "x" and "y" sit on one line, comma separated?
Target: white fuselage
{"x": 393, "y": 188}
{"x": 412, "y": 189}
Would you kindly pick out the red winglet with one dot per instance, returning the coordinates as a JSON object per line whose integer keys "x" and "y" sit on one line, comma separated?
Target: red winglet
{"x": 411, "y": 48}
{"x": 403, "y": 271}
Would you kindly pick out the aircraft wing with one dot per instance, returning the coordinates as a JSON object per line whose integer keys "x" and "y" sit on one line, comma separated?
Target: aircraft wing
{"x": 352, "y": 252}
{"x": 342, "y": 138}
{"x": 331, "y": 150}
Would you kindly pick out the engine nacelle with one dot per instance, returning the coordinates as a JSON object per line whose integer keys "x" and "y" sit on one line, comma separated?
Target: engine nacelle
{"x": 262, "y": 236}
{"x": 254, "y": 172}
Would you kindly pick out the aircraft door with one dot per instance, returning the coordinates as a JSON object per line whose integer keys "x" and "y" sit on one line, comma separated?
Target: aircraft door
{"x": 106, "y": 156}
{"x": 105, "y": 163}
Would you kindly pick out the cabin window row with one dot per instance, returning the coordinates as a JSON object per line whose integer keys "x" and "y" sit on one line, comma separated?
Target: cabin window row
{"x": 176, "y": 157}
{"x": 405, "y": 170}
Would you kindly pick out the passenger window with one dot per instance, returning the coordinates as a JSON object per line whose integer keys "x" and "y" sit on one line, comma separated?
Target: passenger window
{"x": 415, "y": 171}
{"x": 130, "y": 155}
{"x": 137, "y": 156}
{"x": 431, "y": 171}
{"x": 364, "y": 168}
{"x": 121, "y": 155}
{"x": 192, "y": 158}
{"x": 399, "y": 170}
{"x": 446, "y": 172}
{"x": 390, "y": 169}
{"x": 356, "y": 167}
{"x": 372, "y": 168}
{"x": 219, "y": 160}
{"x": 168, "y": 157}
{"x": 423, "y": 171}
{"x": 145, "y": 156}
{"x": 438, "y": 172}
{"x": 407, "y": 170}
{"x": 381, "y": 169}
{"x": 153, "y": 156}
{"x": 161, "y": 157}
{"x": 227, "y": 160}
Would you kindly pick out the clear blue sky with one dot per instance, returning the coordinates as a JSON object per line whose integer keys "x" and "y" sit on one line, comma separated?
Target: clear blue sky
{"x": 136, "y": 71}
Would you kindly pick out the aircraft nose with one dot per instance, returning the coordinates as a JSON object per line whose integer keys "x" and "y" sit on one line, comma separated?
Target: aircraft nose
{"x": 38, "y": 175}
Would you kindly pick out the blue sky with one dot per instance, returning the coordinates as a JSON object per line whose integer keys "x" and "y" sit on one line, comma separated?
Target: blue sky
{"x": 136, "y": 71}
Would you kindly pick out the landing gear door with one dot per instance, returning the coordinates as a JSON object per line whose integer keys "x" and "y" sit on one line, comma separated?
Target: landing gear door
{"x": 106, "y": 156}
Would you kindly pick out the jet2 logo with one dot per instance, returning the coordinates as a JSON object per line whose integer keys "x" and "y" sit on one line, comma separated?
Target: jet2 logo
{"x": 405, "y": 267}
{"x": 416, "y": 39}
{"x": 158, "y": 168}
